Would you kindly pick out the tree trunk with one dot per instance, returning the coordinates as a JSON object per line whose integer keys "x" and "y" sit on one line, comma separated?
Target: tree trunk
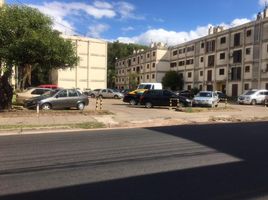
{"x": 6, "y": 92}
{"x": 26, "y": 73}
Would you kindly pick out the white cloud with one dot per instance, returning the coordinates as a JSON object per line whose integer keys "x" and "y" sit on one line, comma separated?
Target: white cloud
{"x": 59, "y": 11}
{"x": 174, "y": 38}
{"x": 126, "y": 29}
{"x": 96, "y": 30}
{"x": 263, "y": 2}
{"x": 126, "y": 10}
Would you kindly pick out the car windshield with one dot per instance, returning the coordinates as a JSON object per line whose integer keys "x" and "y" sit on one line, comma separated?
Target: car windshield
{"x": 204, "y": 94}
{"x": 144, "y": 86}
{"x": 250, "y": 92}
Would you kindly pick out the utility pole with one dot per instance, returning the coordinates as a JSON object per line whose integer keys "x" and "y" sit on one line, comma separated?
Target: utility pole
{"x": 2, "y": 2}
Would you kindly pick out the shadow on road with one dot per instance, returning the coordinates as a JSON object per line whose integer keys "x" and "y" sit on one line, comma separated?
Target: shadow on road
{"x": 246, "y": 179}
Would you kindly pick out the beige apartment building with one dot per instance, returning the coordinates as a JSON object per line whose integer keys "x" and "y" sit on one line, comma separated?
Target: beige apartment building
{"x": 232, "y": 61}
{"x": 145, "y": 65}
{"x": 91, "y": 71}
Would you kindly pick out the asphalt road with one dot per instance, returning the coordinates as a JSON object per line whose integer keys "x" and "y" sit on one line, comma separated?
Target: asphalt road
{"x": 225, "y": 161}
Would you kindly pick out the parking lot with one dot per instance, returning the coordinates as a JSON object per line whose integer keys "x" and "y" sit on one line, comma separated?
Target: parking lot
{"x": 124, "y": 112}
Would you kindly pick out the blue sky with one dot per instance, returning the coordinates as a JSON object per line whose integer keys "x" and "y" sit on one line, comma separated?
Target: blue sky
{"x": 141, "y": 21}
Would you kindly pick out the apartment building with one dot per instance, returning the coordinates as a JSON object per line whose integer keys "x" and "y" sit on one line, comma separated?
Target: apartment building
{"x": 232, "y": 61}
{"x": 91, "y": 71}
{"x": 147, "y": 66}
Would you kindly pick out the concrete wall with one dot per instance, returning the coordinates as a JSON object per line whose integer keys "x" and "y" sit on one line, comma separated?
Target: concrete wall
{"x": 91, "y": 71}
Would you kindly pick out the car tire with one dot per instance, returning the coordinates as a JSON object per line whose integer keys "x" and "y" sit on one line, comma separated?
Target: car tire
{"x": 92, "y": 95}
{"x": 148, "y": 105}
{"x": 80, "y": 106}
{"x": 116, "y": 96}
{"x": 253, "y": 102}
{"x": 46, "y": 106}
{"x": 132, "y": 102}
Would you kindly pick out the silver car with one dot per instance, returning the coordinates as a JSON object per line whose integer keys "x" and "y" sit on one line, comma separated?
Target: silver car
{"x": 64, "y": 98}
{"x": 110, "y": 93}
{"x": 206, "y": 98}
{"x": 253, "y": 97}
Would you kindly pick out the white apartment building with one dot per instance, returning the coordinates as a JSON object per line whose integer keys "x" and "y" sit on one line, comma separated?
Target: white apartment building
{"x": 232, "y": 61}
{"x": 91, "y": 71}
{"x": 147, "y": 65}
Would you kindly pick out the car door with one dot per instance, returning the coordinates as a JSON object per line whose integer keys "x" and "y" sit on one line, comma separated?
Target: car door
{"x": 166, "y": 97}
{"x": 110, "y": 93}
{"x": 60, "y": 100}
{"x": 73, "y": 98}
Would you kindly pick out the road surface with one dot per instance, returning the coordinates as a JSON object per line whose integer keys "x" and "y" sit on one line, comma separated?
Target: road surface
{"x": 221, "y": 161}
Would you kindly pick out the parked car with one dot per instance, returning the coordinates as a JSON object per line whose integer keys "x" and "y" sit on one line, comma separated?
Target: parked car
{"x": 132, "y": 98}
{"x": 29, "y": 93}
{"x": 94, "y": 93}
{"x": 56, "y": 99}
{"x": 253, "y": 97}
{"x": 151, "y": 98}
{"x": 206, "y": 98}
{"x": 221, "y": 95}
{"x": 50, "y": 86}
{"x": 109, "y": 93}
{"x": 185, "y": 93}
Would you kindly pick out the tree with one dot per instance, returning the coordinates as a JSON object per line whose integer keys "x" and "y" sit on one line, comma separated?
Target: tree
{"x": 133, "y": 82}
{"x": 118, "y": 50}
{"x": 28, "y": 41}
{"x": 173, "y": 80}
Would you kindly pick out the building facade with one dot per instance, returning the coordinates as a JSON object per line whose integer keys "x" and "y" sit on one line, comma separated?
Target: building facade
{"x": 145, "y": 65}
{"x": 232, "y": 61}
{"x": 91, "y": 71}
{"x": 2, "y": 2}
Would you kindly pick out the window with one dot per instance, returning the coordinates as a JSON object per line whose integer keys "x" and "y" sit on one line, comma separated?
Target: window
{"x": 247, "y": 51}
{"x": 236, "y": 73}
{"x": 134, "y": 69}
{"x": 237, "y": 39}
{"x": 63, "y": 93}
{"x": 202, "y": 45}
{"x": 221, "y": 71}
{"x": 39, "y": 91}
{"x": 189, "y": 74}
{"x": 201, "y": 59}
{"x": 222, "y": 56}
{"x": 173, "y": 64}
{"x": 153, "y": 65}
{"x": 191, "y": 48}
{"x": 266, "y": 86}
{"x": 141, "y": 56}
{"x": 147, "y": 77}
{"x": 134, "y": 59}
{"x": 153, "y": 76}
{"x": 154, "y": 53}
{"x": 248, "y": 33}
{"x": 247, "y": 69}
{"x": 181, "y": 63}
{"x": 189, "y": 62}
{"x": 246, "y": 86}
{"x": 148, "y": 55}
{"x": 200, "y": 87}
{"x": 209, "y": 75}
{"x": 72, "y": 93}
{"x": 148, "y": 66}
{"x": 201, "y": 73}
{"x": 237, "y": 56}
{"x": 211, "y": 60}
{"x": 189, "y": 87}
{"x": 174, "y": 53}
{"x": 183, "y": 50}
{"x": 180, "y": 51}
{"x": 223, "y": 40}
{"x": 210, "y": 46}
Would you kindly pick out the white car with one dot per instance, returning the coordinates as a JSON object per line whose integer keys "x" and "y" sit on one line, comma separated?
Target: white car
{"x": 29, "y": 93}
{"x": 253, "y": 97}
{"x": 206, "y": 98}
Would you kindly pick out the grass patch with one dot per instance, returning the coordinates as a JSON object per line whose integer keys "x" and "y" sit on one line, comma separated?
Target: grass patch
{"x": 85, "y": 125}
